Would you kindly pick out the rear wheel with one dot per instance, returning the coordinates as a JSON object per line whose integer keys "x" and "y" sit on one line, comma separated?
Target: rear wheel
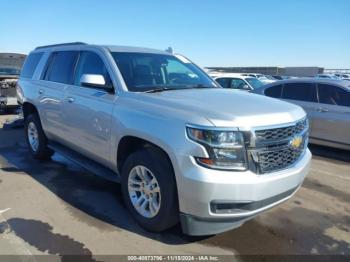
{"x": 36, "y": 139}
{"x": 149, "y": 189}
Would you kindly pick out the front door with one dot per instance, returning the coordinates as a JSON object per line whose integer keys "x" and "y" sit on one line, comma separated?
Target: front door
{"x": 88, "y": 111}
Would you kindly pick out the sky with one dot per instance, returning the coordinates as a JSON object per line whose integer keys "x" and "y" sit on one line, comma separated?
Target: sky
{"x": 211, "y": 33}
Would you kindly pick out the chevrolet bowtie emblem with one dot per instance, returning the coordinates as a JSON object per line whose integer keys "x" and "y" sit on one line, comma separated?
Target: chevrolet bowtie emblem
{"x": 296, "y": 142}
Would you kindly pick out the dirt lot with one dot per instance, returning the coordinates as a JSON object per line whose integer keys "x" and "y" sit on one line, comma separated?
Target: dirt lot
{"x": 57, "y": 208}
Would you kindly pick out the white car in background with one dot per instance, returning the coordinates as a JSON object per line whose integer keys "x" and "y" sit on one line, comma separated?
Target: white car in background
{"x": 266, "y": 79}
{"x": 237, "y": 81}
{"x": 256, "y": 75}
{"x": 343, "y": 76}
{"x": 327, "y": 76}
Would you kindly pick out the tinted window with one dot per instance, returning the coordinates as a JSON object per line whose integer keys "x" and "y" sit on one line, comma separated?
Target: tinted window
{"x": 62, "y": 66}
{"x": 274, "y": 91}
{"x": 300, "y": 91}
{"x": 30, "y": 65}
{"x": 91, "y": 63}
{"x": 224, "y": 82}
{"x": 238, "y": 84}
{"x": 333, "y": 95}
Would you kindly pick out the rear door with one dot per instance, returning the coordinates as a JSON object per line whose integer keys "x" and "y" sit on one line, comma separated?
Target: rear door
{"x": 57, "y": 75}
{"x": 305, "y": 95}
{"x": 88, "y": 110}
{"x": 333, "y": 114}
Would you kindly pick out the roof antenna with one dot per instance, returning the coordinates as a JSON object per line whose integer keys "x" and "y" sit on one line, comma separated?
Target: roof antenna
{"x": 169, "y": 50}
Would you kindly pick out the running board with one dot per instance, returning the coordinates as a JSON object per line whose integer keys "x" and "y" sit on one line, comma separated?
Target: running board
{"x": 84, "y": 162}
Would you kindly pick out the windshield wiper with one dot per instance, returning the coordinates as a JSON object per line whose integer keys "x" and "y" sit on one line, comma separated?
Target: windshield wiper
{"x": 164, "y": 88}
{"x": 200, "y": 86}
{"x": 161, "y": 89}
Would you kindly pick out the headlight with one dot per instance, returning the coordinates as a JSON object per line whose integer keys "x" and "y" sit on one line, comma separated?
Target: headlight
{"x": 225, "y": 148}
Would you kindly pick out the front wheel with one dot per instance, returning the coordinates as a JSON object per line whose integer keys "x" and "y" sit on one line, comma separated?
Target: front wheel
{"x": 36, "y": 139}
{"x": 149, "y": 189}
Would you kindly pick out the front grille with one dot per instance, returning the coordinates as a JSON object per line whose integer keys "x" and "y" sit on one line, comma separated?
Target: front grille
{"x": 279, "y": 148}
{"x": 281, "y": 133}
{"x": 279, "y": 159}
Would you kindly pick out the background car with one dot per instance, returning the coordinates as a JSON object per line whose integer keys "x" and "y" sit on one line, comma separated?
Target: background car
{"x": 344, "y": 76}
{"x": 327, "y": 76}
{"x": 10, "y": 68}
{"x": 237, "y": 81}
{"x": 266, "y": 79}
{"x": 327, "y": 103}
{"x": 277, "y": 77}
{"x": 8, "y": 95}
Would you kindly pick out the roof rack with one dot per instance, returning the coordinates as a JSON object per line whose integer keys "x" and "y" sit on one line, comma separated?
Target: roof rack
{"x": 63, "y": 44}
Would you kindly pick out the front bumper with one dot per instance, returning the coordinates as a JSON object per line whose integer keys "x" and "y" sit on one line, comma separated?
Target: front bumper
{"x": 247, "y": 192}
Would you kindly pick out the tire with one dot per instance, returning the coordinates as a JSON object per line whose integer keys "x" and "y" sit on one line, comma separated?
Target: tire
{"x": 159, "y": 166}
{"x": 39, "y": 150}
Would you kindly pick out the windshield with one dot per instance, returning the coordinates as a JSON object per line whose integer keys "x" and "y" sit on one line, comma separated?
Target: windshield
{"x": 144, "y": 72}
{"x": 255, "y": 83}
{"x": 9, "y": 71}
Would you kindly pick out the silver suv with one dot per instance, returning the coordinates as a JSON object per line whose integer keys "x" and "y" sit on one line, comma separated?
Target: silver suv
{"x": 182, "y": 148}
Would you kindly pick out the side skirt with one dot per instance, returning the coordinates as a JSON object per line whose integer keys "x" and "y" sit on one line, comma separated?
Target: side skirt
{"x": 86, "y": 163}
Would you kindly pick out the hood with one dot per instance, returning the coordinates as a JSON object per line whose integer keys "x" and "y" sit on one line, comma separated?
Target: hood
{"x": 227, "y": 108}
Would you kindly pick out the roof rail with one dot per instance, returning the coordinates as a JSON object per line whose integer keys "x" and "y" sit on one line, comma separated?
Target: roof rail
{"x": 63, "y": 44}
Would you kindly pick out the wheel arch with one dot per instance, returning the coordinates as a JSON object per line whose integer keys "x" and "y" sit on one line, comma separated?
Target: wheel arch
{"x": 28, "y": 108}
{"x": 129, "y": 144}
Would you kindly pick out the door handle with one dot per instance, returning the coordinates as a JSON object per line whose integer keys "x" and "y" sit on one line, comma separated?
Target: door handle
{"x": 71, "y": 100}
{"x": 322, "y": 110}
{"x": 41, "y": 91}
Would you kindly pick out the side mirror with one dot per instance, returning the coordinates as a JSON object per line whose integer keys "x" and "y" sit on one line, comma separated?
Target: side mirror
{"x": 92, "y": 80}
{"x": 246, "y": 87}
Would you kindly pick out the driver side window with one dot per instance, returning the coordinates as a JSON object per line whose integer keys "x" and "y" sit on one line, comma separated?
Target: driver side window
{"x": 91, "y": 63}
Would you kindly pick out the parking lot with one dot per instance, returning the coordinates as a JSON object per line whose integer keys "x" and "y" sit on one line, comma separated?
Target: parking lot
{"x": 56, "y": 207}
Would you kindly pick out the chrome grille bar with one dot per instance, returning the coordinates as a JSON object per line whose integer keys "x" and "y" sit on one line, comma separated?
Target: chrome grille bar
{"x": 273, "y": 150}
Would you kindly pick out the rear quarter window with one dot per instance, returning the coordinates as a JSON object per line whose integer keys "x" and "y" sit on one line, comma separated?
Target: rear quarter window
{"x": 30, "y": 65}
{"x": 333, "y": 95}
